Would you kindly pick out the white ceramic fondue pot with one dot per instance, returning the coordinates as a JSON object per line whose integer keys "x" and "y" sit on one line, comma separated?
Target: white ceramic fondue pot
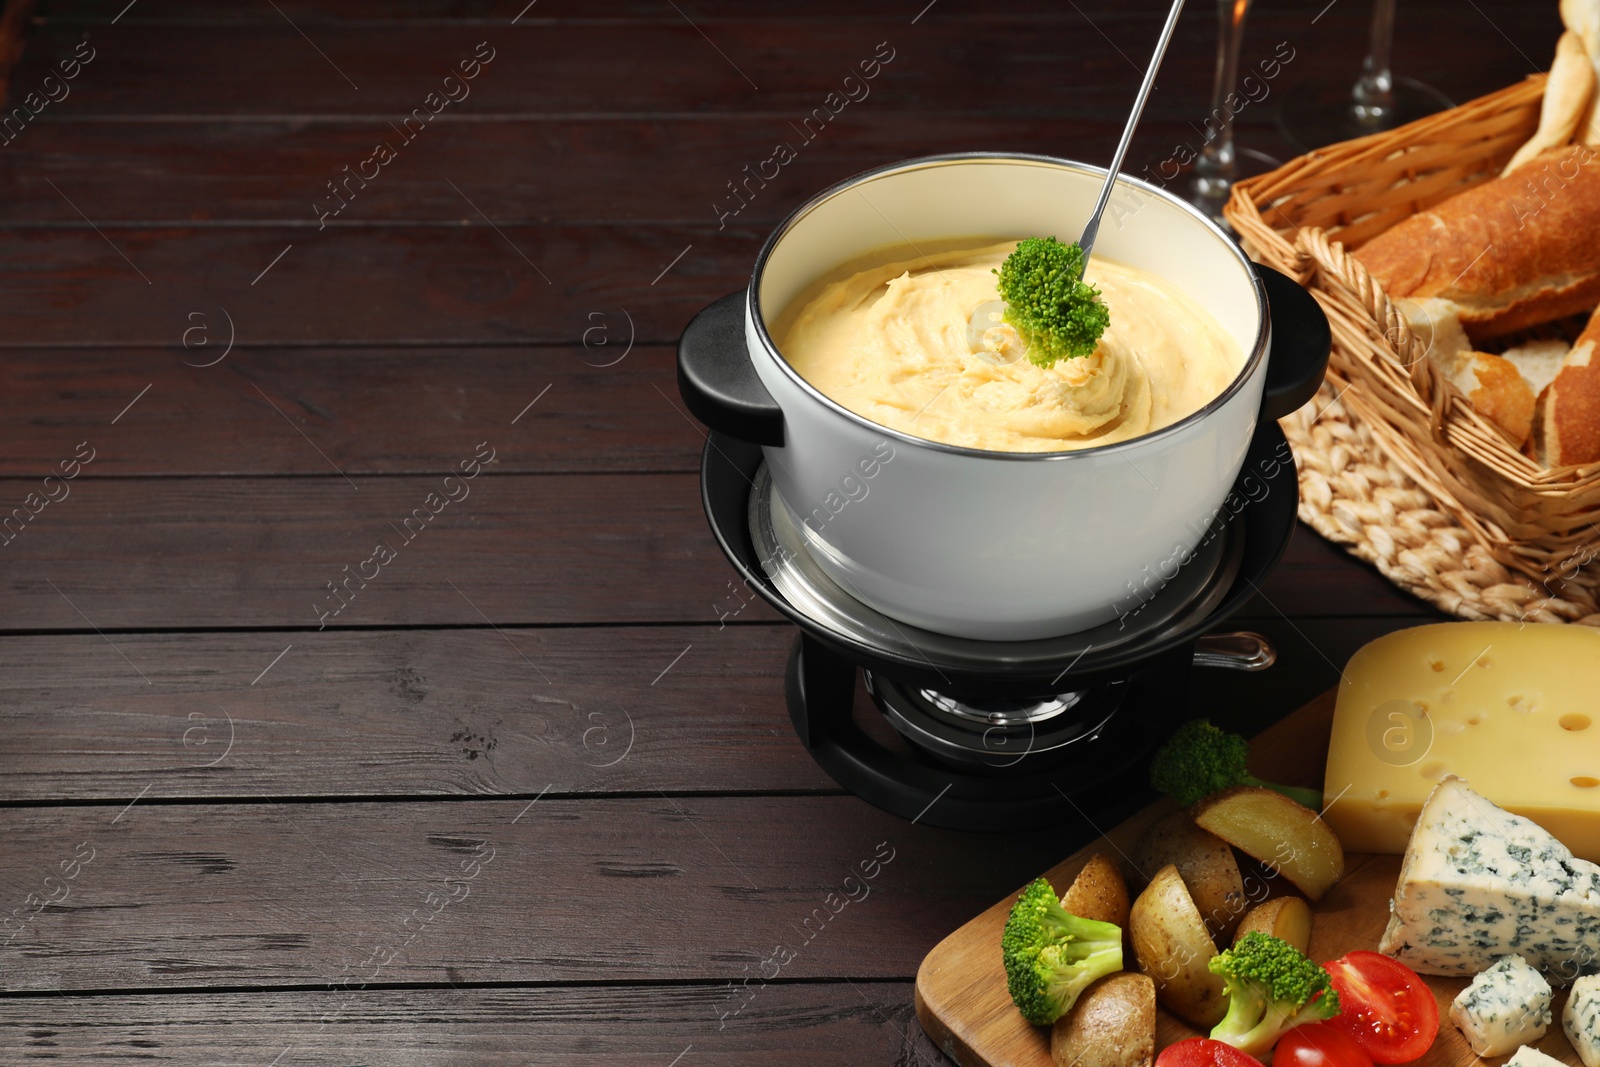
{"x": 984, "y": 544}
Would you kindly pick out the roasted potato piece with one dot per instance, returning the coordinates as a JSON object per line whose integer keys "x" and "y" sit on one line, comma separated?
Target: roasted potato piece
{"x": 1285, "y": 917}
{"x": 1112, "y": 1025}
{"x": 1207, "y": 865}
{"x": 1173, "y": 946}
{"x": 1286, "y": 837}
{"x": 1098, "y": 892}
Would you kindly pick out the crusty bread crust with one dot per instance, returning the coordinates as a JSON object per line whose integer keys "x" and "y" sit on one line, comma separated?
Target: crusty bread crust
{"x": 1511, "y": 253}
{"x": 1497, "y": 389}
{"x": 1566, "y": 426}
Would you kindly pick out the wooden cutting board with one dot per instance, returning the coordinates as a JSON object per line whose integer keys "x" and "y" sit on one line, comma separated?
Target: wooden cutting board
{"x": 961, "y": 995}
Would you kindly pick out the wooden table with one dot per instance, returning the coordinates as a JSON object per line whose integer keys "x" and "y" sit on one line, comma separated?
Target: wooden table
{"x": 525, "y": 791}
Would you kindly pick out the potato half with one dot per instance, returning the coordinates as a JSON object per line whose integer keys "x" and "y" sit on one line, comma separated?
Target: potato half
{"x": 1286, "y": 837}
{"x": 1173, "y": 946}
{"x": 1113, "y": 1024}
{"x": 1285, "y": 917}
{"x": 1206, "y": 863}
{"x": 1098, "y": 892}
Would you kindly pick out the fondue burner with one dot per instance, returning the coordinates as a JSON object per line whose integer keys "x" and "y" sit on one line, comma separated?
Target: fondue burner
{"x": 997, "y": 735}
{"x": 1004, "y": 726}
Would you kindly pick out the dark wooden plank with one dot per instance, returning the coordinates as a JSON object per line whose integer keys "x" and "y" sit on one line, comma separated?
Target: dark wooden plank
{"x": 247, "y": 552}
{"x": 15, "y": 15}
{"x": 451, "y": 712}
{"x": 988, "y": 60}
{"x": 436, "y": 712}
{"x": 213, "y": 172}
{"x": 523, "y": 549}
{"x": 394, "y": 411}
{"x": 178, "y": 896}
{"x": 501, "y": 12}
{"x": 457, "y": 712}
{"x": 435, "y": 285}
{"x": 661, "y": 65}
{"x": 587, "y": 1026}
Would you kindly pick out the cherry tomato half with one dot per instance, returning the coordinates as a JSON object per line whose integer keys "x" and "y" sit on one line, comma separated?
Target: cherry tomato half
{"x": 1385, "y": 1006}
{"x": 1204, "y": 1052}
{"x": 1319, "y": 1045}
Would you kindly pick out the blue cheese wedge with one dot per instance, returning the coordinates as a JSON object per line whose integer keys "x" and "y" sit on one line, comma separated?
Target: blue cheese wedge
{"x": 1506, "y": 1006}
{"x": 1479, "y": 883}
{"x": 1581, "y": 1019}
{"x": 1532, "y": 1057}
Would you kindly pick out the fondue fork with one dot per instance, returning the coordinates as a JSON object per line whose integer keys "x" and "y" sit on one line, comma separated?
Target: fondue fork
{"x": 988, "y": 335}
{"x": 1090, "y": 231}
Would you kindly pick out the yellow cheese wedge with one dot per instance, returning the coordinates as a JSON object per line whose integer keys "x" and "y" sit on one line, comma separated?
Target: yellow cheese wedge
{"x": 1512, "y": 708}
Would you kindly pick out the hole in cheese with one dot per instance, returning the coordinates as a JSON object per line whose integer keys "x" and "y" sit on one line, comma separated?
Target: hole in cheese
{"x": 1437, "y": 665}
{"x": 1574, "y": 722}
{"x": 1583, "y": 781}
{"x": 1433, "y": 770}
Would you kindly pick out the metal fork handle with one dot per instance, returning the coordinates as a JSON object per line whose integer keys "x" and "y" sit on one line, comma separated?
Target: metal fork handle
{"x": 1086, "y": 242}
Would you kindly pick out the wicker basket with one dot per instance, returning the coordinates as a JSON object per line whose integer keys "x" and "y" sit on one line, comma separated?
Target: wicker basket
{"x": 1300, "y": 218}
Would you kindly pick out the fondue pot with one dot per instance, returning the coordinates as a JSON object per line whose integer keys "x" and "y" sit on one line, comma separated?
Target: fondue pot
{"x": 987, "y": 545}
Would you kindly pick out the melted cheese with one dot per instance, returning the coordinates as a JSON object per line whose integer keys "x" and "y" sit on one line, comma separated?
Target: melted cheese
{"x": 892, "y": 344}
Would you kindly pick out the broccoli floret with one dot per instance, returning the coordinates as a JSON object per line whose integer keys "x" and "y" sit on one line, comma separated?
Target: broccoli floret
{"x": 1052, "y": 955}
{"x": 1201, "y": 759}
{"x": 1057, "y": 314}
{"x": 1272, "y": 988}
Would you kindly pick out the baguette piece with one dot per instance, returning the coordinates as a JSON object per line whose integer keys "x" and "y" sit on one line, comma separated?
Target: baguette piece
{"x": 1582, "y": 17}
{"x": 1509, "y": 253}
{"x": 1566, "y": 420}
{"x": 1568, "y": 100}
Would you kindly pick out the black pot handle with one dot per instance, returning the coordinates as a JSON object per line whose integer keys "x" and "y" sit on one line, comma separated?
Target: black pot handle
{"x": 1301, "y": 341}
{"x": 717, "y": 379}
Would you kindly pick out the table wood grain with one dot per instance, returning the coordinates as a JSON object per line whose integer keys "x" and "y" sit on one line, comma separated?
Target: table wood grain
{"x": 532, "y": 795}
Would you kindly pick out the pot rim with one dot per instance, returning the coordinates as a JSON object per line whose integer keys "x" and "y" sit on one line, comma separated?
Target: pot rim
{"x": 1252, "y": 363}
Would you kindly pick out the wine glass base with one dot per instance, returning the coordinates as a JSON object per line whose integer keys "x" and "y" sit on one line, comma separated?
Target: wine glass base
{"x": 1210, "y": 192}
{"x": 1318, "y": 114}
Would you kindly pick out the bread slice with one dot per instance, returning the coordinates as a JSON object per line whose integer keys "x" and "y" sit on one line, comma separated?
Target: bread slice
{"x": 1498, "y": 390}
{"x": 1510, "y": 253}
{"x": 1494, "y": 385}
{"x": 1538, "y": 361}
{"x": 1566, "y": 422}
{"x": 1436, "y": 324}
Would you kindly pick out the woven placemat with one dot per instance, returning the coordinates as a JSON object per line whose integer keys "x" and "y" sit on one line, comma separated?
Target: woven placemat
{"x": 1354, "y": 494}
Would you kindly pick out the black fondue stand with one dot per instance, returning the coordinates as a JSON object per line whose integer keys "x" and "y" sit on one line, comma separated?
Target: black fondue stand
{"x": 991, "y": 735}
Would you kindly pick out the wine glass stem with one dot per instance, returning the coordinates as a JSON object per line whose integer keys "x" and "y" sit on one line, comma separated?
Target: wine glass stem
{"x": 1215, "y": 168}
{"x": 1374, "y": 91}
